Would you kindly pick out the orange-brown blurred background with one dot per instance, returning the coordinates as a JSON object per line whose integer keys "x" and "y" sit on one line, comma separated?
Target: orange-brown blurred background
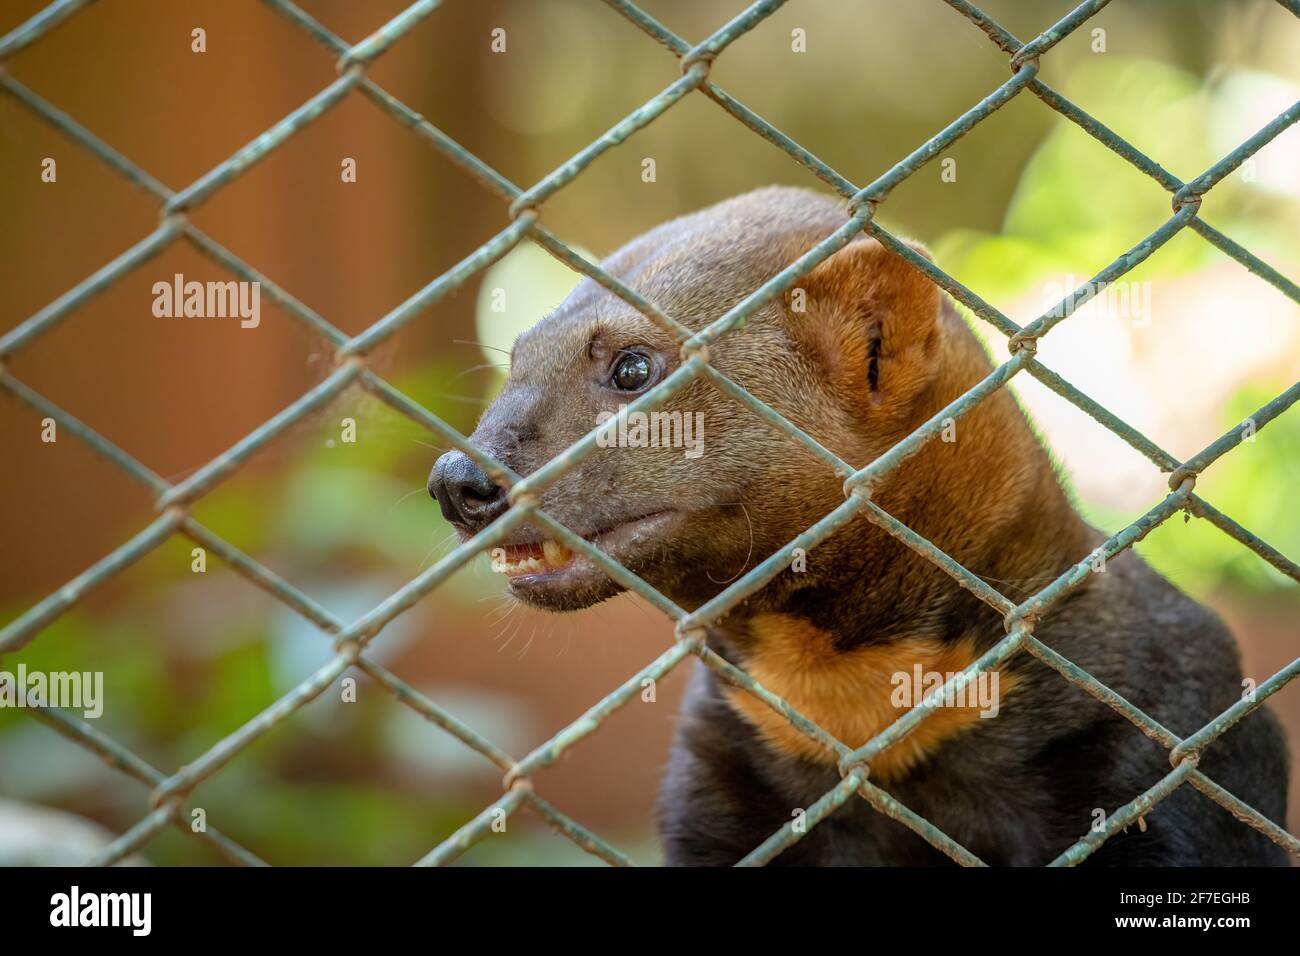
{"x": 188, "y": 658}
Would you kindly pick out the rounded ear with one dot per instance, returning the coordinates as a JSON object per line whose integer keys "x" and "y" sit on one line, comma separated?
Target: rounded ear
{"x": 871, "y": 320}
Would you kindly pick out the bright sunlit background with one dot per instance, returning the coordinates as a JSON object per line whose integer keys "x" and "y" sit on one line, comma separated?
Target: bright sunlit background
{"x": 1187, "y": 347}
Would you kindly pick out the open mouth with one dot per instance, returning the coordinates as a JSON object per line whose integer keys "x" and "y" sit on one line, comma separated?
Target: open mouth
{"x": 513, "y": 560}
{"x": 544, "y": 567}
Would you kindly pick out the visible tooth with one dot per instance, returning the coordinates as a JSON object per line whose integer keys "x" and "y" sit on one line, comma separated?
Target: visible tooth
{"x": 557, "y": 555}
{"x": 526, "y": 566}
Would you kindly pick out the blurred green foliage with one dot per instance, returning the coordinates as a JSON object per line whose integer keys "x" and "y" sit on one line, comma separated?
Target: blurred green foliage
{"x": 1076, "y": 205}
{"x": 188, "y": 663}
{"x": 1255, "y": 485}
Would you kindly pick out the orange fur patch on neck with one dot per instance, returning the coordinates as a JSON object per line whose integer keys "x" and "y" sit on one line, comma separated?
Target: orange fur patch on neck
{"x": 850, "y": 694}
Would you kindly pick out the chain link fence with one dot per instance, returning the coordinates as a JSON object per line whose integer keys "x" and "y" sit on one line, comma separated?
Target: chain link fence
{"x": 170, "y": 792}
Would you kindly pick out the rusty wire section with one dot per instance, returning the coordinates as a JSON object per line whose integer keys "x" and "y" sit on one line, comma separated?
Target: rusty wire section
{"x": 169, "y": 793}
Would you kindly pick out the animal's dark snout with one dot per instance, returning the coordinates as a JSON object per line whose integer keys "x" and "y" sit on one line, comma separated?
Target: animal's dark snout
{"x": 467, "y": 496}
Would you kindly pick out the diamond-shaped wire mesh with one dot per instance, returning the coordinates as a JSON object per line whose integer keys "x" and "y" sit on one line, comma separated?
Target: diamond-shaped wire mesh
{"x": 169, "y": 792}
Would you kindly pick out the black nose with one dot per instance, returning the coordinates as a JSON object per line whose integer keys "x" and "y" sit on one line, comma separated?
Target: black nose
{"x": 468, "y": 498}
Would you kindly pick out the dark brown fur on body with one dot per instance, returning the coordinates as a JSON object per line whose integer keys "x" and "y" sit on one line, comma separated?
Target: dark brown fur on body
{"x": 876, "y": 351}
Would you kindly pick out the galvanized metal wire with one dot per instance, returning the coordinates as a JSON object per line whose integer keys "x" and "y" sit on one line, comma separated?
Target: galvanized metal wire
{"x": 170, "y": 793}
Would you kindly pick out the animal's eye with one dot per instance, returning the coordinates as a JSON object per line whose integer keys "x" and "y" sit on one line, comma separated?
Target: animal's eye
{"x": 631, "y": 373}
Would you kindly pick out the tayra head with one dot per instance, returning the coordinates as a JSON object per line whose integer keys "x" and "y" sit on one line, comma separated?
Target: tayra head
{"x": 694, "y": 493}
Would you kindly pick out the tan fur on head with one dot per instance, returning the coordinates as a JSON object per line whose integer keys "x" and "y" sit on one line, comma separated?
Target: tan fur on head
{"x": 871, "y": 318}
{"x": 874, "y": 353}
